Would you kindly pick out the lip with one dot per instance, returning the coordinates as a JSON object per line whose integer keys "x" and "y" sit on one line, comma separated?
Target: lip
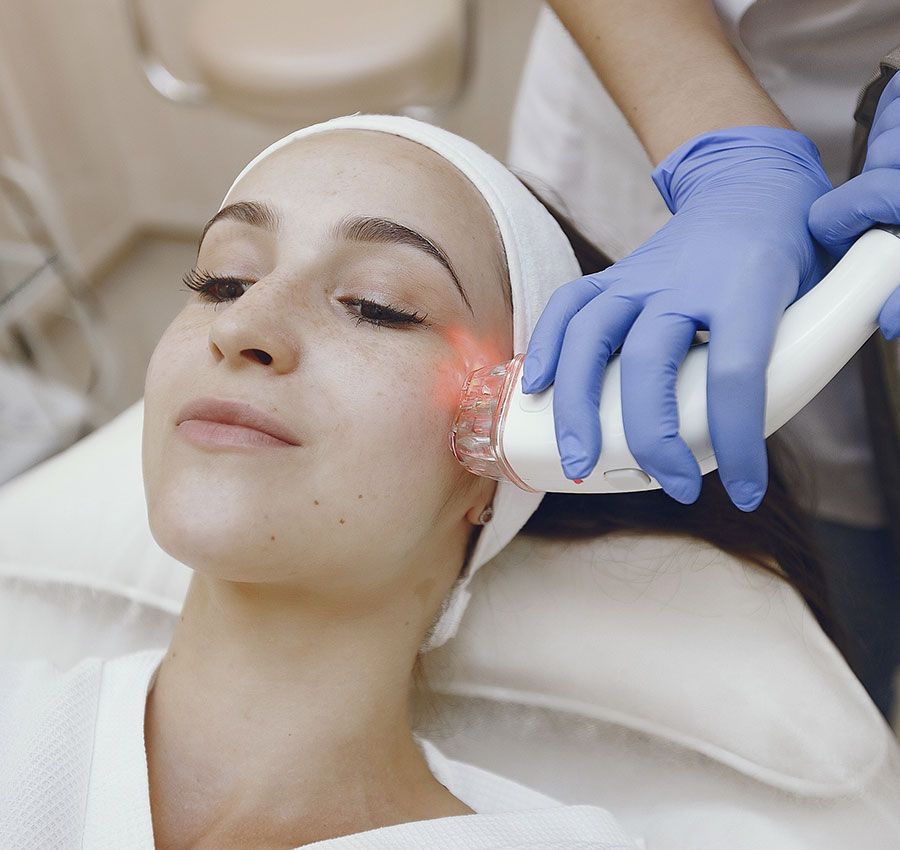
{"x": 236, "y": 413}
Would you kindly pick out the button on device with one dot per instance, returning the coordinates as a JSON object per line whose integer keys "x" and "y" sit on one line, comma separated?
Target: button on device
{"x": 627, "y": 479}
{"x": 533, "y": 402}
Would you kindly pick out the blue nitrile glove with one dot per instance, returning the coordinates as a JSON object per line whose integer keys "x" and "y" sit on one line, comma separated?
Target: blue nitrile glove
{"x": 840, "y": 216}
{"x": 731, "y": 260}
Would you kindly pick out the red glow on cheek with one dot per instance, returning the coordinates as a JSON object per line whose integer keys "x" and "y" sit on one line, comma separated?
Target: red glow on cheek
{"x": 466, "y": 352}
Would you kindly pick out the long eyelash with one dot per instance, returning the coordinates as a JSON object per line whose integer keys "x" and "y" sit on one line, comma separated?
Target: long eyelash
{"x": 396, "y": 316}
{"x": 204, "y": 283}
{"x": 195, "y": 279}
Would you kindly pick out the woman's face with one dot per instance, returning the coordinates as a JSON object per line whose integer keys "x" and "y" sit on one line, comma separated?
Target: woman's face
{"x": 371, "y": 502}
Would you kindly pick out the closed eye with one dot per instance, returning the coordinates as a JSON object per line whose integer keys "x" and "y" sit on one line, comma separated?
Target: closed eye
{"x": 212, "y": 289}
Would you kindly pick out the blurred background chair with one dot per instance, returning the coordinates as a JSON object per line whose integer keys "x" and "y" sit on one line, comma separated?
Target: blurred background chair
{"x": 300, "y": 60}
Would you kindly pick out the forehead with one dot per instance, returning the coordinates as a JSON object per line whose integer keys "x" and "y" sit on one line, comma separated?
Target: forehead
{"x": 376, "y": 173}
{"x": 321, "y": 178}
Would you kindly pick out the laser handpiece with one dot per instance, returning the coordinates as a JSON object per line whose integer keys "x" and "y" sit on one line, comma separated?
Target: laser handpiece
{"x": 500, "y": 432}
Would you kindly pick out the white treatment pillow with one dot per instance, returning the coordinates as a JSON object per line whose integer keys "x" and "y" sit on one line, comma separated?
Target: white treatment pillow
{"x": 666, "y": 636}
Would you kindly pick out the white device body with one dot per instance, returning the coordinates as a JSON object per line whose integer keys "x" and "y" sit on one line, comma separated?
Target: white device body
{"x": 818, "y": 334}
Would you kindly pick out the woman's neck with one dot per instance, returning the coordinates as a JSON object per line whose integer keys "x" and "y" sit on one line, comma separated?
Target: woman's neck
{"x": 269, "y": 715}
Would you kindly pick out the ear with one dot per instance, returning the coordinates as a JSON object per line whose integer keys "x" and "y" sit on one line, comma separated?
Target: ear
{"x": 474, "y": 513}
{"x": 482, "y": 497}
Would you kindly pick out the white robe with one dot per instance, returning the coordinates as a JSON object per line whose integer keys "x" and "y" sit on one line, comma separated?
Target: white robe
{"x": 73, "y": 774}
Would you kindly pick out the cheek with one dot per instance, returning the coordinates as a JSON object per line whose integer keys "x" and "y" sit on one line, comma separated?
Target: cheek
{"x": 419, "y": 406}
{"x": 465, "y": 351}
{"x": 398, "y": 422}
{"x": 163, "y": 390}
{"x": 177, "y": 348}
{"x": 158, "y": 372}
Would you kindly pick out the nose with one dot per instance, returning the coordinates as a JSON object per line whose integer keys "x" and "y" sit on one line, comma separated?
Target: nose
{"x": 253, "y": 329}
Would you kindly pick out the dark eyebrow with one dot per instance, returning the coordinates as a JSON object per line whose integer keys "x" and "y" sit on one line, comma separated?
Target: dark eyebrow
{"x": 357, "y": 228}
{"x": 249, "y": 212}
{"x": 387, "y": 232}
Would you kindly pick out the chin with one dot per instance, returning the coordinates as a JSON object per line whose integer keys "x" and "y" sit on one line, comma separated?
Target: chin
{"x": 204, "y": 534}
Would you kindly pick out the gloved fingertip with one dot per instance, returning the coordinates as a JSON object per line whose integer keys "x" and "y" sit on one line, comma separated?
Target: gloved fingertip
{"x": 575, "y": 473}
{"x": 531, "y": 374}
{"x": 577, "y": 467}
{"x": 889, "y": 317}
{"x": 890, "y": 324}
{"x": 575, "y": 460}
{"x": 684, "y": 490}
{"x": 746, "y": 495}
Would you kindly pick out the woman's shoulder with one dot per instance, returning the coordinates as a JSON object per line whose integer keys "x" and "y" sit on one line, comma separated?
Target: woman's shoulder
{"x": 480, "y": 789}
{"x": 509, "y": 811}
{"x": 561, "y": 828}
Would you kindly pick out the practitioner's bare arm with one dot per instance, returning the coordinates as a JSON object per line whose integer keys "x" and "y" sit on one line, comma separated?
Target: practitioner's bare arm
{"x": 669, "y": 67}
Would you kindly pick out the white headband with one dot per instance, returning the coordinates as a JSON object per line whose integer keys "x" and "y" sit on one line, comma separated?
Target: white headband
{"x": 539, "y": 258}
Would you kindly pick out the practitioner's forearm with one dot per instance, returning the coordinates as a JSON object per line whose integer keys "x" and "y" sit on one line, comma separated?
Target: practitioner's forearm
{"x": 669, "y": 67}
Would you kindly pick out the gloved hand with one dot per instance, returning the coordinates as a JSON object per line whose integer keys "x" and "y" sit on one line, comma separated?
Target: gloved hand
{"x": 733, "y": 257}
{"x": 840, "y": 216}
